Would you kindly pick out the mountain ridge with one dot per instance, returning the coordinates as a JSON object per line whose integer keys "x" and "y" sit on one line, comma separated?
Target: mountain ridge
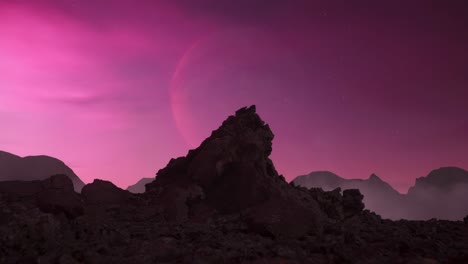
{"x": 444, "y": 185}
{"x": 17, "y": 168}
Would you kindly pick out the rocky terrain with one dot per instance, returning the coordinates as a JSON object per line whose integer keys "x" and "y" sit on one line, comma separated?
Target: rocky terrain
{"x": 30, "y": 168}
{"x": 222, "y": 203}
{"x": 438, "y": 195}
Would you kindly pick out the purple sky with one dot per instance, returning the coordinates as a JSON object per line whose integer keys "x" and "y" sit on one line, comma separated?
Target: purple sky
{"x": 117, "y": 88}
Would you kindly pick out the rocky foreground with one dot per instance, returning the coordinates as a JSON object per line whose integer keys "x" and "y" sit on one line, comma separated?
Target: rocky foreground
{"x": 222, "y": 203}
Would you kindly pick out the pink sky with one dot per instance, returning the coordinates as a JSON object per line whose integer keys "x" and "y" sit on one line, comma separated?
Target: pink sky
{"x": 116, "y": 89}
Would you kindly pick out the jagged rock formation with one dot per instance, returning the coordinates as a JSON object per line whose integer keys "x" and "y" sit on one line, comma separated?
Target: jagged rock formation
{"x": 14, "y": 168}
{"x": 231, "y": 173}
{"x": 139, "y": 187}
{"x": 222, "y": 203}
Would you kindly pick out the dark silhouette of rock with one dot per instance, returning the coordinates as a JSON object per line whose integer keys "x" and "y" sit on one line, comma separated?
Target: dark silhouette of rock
{"x": 53, "y": 195}
{"x": 14, "y": 168}
{"x": 230, "y": 172}
{"x": 223, "y": 203}
{"x": 58, "y": 196}
{"x": 352, "y": 202}
{"x": 103, "y": 192}
{"x": 139, "y": 187}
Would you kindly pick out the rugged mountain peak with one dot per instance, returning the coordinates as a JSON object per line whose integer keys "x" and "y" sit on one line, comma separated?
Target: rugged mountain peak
{"x": 232, "y": 163}
{"x": 230, "y": 173}
{"x": 375, "y": 178}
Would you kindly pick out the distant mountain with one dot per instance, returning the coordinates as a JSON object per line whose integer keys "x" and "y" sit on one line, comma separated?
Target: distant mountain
{"x": 444, "y": 179}
{"x": 139, "y": 187}
{"x": 441, "y": 194}
{"x": 15, "y": 168}
{"x": 379, "y": 196}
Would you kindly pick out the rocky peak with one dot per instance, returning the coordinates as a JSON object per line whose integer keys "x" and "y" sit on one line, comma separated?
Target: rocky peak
{"x": 375, "y": 178}
{"x": 231, "y": 166}
{"x": 231, "y": 173}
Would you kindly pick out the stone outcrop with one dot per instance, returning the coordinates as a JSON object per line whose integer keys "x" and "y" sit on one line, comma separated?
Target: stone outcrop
{"x": 103, "y": 192}
{"x": 352, "y": 202}
{"x": 230, "y": 172}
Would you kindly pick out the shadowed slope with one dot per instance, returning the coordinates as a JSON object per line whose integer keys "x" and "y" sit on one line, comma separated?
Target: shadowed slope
{"x": 15, "y": 168}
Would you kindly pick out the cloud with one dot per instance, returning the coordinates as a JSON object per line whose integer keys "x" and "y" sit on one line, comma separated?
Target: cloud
{"x": 54, "y": 57}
